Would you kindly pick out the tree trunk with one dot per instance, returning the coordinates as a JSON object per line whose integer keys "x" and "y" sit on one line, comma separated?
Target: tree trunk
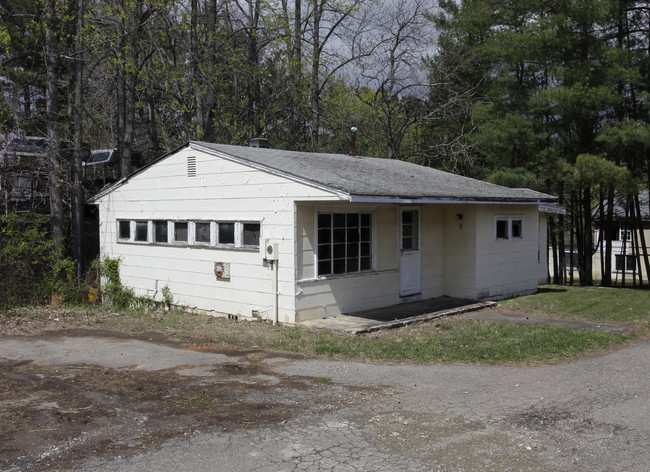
{"x": 194, "y": 60}
{"x": 315, "y": 70}
{"x": 560, "y": 236}
{"x": 208, "y": 123}
{"x": 55, "y": 177}
{"x": 587, "y": 275}
{"x": 77, "y": 179}
{"x": 557, "y": 279}
{"x": 644, "y": 248}
{"x": 607, "y": 275}
{"x": 153, "y": 127}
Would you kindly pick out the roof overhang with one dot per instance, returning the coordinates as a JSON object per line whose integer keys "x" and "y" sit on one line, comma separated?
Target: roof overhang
{"x": 552, "y": 209}
{"x": 446, "y": 201}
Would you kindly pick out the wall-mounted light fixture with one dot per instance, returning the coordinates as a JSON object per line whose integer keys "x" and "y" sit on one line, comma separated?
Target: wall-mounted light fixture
{"x": 459, "y": 216}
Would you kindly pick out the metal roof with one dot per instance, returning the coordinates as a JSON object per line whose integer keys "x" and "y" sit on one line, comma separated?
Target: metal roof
{"x": 372, "y": 179}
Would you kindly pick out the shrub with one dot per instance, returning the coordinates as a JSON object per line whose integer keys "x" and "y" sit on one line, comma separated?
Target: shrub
{"x": 28, "y": 258}
{"x": 112, "y": 289}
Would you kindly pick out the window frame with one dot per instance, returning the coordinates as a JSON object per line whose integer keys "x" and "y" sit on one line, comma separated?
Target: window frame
{"x": 192, "y": 233}
{"x": 172, "y": 232}
{"x": 364, "y": 262}
{"x": 118, "y": 231}
{"x": 626, "y": 258}
{"x": 243, "y": 233}
{"x": 218, "y": 233}
{"x": 239, "y": 227}
{"x": 509, "y": 220}
{"x": 154, "y": 235}
{"x": 135, "y": 231}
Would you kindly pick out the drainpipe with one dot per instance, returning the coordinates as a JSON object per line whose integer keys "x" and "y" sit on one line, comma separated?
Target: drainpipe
{"x": 276, "y": 294}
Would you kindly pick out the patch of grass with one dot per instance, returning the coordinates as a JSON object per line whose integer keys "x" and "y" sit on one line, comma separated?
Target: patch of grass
{"x": 449, "y": 340}
{"x": 191, "y": 403}
{"x": 618, "y": 306}
{"x": 469, "y": 341}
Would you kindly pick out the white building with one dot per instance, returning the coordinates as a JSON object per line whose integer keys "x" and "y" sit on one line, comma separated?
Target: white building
{"x": 290, "y": 236}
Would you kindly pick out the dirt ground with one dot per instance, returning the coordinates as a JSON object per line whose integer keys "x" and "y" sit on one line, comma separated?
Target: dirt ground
{"x": 54, "y": 415}
{"x": 95, "y": 399}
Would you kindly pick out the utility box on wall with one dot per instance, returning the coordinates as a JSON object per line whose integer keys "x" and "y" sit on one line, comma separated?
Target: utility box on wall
{"x": 270, "y": 250}
{"x": 222, "y": 270}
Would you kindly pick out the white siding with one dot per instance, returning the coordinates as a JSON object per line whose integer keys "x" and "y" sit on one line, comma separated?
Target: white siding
{"x": 222, "y": 190}
{"x": 460, "y": 251}
{"x": 460, "y": 256}
{"x": 432, "y": 251}
{"x": 316, "y": 298}
{"x": 542, "y": 250}
{"x": 506, "y": 267}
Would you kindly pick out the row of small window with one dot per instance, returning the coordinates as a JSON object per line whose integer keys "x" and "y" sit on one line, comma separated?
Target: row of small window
{"x": 199, "y": 233}
{"x": 509, "y": 227}
{"x": 344, "y": 243}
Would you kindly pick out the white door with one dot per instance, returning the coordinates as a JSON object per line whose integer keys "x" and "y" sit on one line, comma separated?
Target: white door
{"x": 410, "y": 252}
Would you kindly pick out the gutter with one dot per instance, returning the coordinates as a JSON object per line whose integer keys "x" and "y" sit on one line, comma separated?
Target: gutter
{"x": 460, "y": 200}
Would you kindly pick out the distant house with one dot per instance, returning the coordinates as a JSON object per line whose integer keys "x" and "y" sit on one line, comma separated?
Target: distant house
{"x": 290, "y": 236}
{"x": 23, "y": 175}
{"x": 103, "y": 167}
{"x": 627, "y": 247}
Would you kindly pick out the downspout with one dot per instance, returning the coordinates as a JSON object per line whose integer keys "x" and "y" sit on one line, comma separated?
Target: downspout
{"x": 276, "y": 294}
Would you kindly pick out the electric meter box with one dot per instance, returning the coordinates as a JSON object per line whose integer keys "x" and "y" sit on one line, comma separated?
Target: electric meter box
{"x": 222, "y": 270}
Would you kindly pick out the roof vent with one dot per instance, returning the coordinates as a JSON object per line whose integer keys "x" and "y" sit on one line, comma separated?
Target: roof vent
{"x": 191, "y": 166}
{"x": 258, "y": 143}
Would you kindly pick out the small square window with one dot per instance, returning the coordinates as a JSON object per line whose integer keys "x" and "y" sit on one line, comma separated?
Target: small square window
{"x": 251, "y": 234}
{"x": 625, "y": 263}
{"x": 142, "y": 231}
{"x": 180, "y": 232}
{"x": 502, "y": 229}
{"x": 226, "y": 233}
{"x": 124, "y": 230}
{"x": 160, "y": 231}
{"x": 517, "y": 229}
{"x": 202, "y": 232}
{"x": 509, "y": 227}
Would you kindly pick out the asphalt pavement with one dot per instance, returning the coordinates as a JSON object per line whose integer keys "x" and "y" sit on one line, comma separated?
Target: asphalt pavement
{"x": 592, "y": 414}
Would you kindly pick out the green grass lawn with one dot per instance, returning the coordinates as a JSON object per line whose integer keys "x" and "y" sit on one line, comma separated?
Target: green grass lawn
{"x": 617, "y": 306}
{"x": 446, "y": 340}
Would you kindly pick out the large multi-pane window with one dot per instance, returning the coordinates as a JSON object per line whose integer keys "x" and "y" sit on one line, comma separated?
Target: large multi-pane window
{"x": 344, "y": 243}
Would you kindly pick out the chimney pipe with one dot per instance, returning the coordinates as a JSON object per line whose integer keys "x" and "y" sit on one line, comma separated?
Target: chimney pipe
{"x": 258, "y": 143}
{"x": 353, "y": 139}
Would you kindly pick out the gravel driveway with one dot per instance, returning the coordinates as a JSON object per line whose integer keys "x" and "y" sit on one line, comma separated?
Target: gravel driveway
{"x": 592, "y": 414}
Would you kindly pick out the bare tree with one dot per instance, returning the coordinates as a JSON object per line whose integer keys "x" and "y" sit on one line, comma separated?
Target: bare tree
{"x": 394, "y": 71}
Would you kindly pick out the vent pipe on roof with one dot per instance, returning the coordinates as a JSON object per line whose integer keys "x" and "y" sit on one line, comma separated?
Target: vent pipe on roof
{"x": 258, "y": 143}
{"x": 353, "y": 139}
